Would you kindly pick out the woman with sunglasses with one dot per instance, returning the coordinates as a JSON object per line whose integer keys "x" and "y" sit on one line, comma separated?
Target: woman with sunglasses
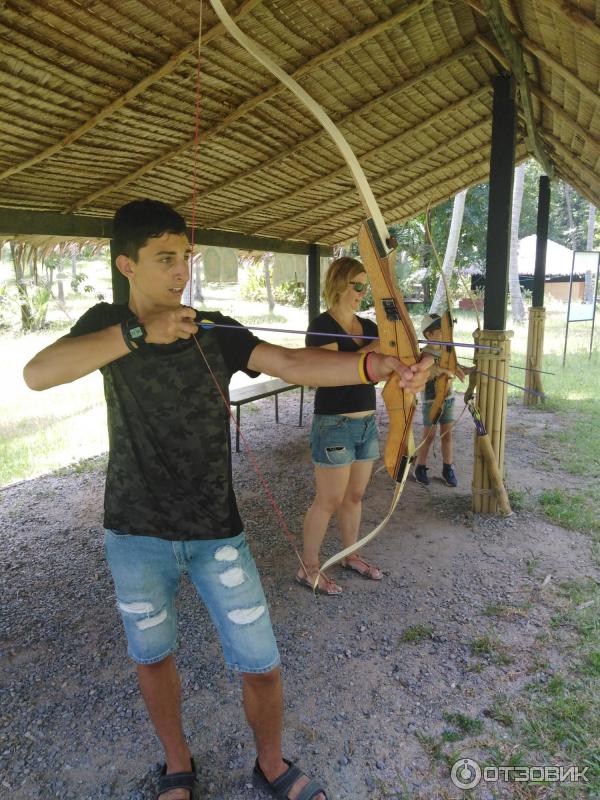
{"x": 344, "y": 439}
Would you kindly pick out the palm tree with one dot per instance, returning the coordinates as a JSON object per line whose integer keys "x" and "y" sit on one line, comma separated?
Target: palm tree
{"x": 440, "y": 301}
{"x": 516, "y": 298}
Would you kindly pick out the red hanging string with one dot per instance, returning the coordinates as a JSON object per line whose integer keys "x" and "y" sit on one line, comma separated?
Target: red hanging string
{"x": 248, "y": 450}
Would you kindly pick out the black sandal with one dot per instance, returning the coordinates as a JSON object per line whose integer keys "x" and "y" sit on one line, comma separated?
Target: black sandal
{"x": 178, "y": 780}
{"x": 280, "y": 787}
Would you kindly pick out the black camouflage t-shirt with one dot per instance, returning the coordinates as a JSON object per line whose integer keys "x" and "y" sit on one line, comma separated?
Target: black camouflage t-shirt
{"x": 169, "y": 467}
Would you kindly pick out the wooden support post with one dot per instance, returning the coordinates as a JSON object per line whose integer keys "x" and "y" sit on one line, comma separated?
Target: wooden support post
{"x": 313, "y": 289}
{"x": 537, "y": 313}
{"x": 489, "y": 494}
{"x": 535, "y": 355}
{"x": 502, "y": 168}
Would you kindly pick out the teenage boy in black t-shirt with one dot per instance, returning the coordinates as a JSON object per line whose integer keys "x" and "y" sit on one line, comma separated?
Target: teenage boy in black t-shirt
{"x": 169, "y": 501}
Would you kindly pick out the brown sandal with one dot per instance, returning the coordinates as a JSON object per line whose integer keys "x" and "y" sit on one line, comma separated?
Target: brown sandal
{"x": 370, "y": 571}
{"x": 328, "y": 590}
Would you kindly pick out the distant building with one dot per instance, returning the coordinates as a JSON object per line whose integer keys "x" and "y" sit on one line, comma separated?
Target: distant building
{"x": 558, "y": 269}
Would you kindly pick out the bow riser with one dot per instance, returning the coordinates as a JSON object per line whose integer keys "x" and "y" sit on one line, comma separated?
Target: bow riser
{"x": 397, "y": 338}
{"x": 400, "y": 444}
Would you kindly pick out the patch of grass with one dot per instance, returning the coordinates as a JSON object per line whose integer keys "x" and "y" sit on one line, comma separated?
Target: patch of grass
{"x": 532, "y": 564}
{"x": 465, "y": 725}
{"x": 579, "y": 511}
{"x": 502, "y": 611}
{"x": 501, "y": 711}
{"x": 492, "y": 649}
{"x": 432, "y": 745}
{"x": 518, "y": 499}
{"x": 417, "y": 633}
{"x": 262, "y": 319}
{"x": 559, "y": 718}
{"x": 539, "y": 664}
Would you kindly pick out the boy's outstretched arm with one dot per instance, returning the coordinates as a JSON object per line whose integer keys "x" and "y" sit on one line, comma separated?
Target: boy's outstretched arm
{"x": 316, "y": 366}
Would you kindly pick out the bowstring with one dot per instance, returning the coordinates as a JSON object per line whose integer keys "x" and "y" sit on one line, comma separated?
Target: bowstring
{"x": 248, "y": 450}
{"x": 196, "y": 153}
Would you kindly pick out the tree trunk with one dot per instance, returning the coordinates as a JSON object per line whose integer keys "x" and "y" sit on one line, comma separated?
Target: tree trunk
{"x": 516, "y": 298}
{"x": 570, "y": 220}
{"x": 196, "y": 264}
{"x": 591, "y": 227}
{"x": 19, "y": 260}
{"x": 267, "y": 260}
{"x": 440, "y": 300}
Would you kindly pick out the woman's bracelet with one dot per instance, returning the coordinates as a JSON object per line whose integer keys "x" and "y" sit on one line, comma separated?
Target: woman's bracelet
{"x": 363, "y": 369}
{"x": 368, "y": 373}
{"x": 362, "y": 373}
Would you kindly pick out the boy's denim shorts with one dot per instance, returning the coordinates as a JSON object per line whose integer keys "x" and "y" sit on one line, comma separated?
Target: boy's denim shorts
{"x": 338, "y": 441}
{"x": 147, "y": 571}
{"x": 446, "y": 417}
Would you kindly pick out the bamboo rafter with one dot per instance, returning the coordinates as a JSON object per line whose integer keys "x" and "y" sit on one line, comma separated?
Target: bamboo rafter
{"x": 275, "y": 89}
{"x": 512, "y": 51}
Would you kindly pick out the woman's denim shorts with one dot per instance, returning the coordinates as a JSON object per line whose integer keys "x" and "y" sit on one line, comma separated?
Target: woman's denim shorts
{"x": 338, "y": 441}
{"x": 147, "y": 571}
{"x": 446, "y": 417}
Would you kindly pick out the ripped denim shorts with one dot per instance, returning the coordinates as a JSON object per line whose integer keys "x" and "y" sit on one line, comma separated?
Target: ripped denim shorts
{"x": 147, "y": 572}
{"x": 338, "y": 441}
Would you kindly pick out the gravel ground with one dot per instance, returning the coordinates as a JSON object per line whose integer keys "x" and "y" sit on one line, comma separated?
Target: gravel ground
{"x": 359, "y": 697}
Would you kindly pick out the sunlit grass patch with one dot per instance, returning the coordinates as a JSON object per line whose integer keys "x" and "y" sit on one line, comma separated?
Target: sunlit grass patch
{"x": 572, "y": 510}
{"x": 417, "y": 633}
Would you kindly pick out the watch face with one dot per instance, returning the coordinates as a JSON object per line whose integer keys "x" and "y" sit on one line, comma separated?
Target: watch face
{"x": 136, "y": 332}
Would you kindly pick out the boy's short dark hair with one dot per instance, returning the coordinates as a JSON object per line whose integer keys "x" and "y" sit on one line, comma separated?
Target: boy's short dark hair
{"x": 140, "y": 220}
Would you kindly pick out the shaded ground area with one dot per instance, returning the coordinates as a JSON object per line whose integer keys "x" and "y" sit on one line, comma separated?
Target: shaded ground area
{"x": 368, "y": 676}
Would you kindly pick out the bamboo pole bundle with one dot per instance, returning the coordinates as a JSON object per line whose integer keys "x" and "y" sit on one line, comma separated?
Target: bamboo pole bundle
{"x": 535, "y": 355}
{"x": 489, "y": 494}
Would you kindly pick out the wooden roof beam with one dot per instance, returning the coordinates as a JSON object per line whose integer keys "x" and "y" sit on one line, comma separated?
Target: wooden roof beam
{"x": 584, "y": 90}
{"x": 166, "y": 69}
{"x": 322, "y": 58}
{"x": 342, "y": 121}
{"x": 407, "y": 186}
{"x": 512, "y": 51}
{"x": 14, "y": 222}
{"x": 559, "y": 111}
{"x": 423, "y": 200}
{"x": 577, "y": 167}
{"x": 583, "y": 24}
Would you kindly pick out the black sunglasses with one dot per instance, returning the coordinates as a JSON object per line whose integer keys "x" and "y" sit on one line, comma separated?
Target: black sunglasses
{"x": 359, "y": 287}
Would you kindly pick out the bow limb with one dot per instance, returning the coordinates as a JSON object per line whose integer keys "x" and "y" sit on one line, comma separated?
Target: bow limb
{"x": 397, "y": 335}
{"x": 448, "y": 360}
{"x": 348, "y": 551}
{"x": 364, "y": 190}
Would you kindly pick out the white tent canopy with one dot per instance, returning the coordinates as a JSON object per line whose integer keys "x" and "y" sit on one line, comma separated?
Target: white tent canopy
{"x": 558, "y": 257}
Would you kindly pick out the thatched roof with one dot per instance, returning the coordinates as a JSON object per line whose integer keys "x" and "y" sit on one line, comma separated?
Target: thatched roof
{"x": 558, "y": 257}
{"x": 98, "y": 104}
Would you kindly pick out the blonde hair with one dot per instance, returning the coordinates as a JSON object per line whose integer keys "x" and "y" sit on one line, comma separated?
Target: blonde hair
{"x": 339, "y": 274}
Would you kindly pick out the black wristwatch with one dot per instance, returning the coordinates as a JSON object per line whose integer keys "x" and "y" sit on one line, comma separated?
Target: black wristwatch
{"x": 134, "y": 334}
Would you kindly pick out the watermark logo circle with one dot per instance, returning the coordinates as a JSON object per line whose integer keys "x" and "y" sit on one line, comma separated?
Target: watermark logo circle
{"x": 466, "y": 773}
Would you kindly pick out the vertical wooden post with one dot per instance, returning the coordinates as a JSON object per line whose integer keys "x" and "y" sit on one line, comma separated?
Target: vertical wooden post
{"x": 537, "y": 313}
{"x": 502, "y": 170}
{"x": 491, "y": 393}
{"x": 313, "y": 290}
{"x": 492, "y": 401}
{"x": 535, "y": 355}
